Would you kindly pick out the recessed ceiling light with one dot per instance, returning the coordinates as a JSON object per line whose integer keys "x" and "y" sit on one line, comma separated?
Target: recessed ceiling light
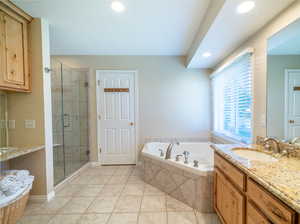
{"x": 206, "y": 54}
{"x": 117, "y": 6}
{"x": 245, "y": 7}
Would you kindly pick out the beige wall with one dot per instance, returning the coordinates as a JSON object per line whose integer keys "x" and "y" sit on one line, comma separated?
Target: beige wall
{"x": 259, "y": 43}
{"x": 173, "y": 101}
{"x": 276, "y": 91}
{"x": 30, "y": 106}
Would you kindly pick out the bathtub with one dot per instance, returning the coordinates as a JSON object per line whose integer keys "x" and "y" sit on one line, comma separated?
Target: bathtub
{"x": 191, "y": 185}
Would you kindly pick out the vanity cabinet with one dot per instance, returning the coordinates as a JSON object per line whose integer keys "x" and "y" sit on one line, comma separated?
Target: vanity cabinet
{"x": 14, "y": 65}
{"x": 238, "y": 199}
{"x": 230, "y": 203}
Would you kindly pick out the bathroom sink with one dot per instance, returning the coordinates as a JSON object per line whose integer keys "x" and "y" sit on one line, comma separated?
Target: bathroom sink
{"x": 5, "y": 150}
{"x": 254, "y": 155}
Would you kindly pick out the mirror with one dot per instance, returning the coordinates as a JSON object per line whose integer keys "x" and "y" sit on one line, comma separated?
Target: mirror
{"x": 283, "y": 83}
{"x": 3, "y": 120}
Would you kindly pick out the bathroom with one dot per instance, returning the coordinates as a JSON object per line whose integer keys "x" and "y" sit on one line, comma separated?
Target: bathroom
{"x": 112, "y": 122}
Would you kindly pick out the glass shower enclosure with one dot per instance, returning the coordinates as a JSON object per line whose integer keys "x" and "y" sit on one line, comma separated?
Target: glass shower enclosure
{"x": 70, "y": 119}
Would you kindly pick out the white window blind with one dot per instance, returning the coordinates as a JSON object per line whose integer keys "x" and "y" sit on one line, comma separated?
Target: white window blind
{"x": 232, "y": 100}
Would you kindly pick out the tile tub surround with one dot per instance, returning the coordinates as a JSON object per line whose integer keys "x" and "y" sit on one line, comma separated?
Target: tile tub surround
{"x": 92, "y": 198}
{"x": 193, "y": 190}
{"x": 281, "y": 178}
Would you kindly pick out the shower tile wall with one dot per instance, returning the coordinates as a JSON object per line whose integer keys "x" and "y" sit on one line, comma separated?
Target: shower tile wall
{"x": 70, "y": 119}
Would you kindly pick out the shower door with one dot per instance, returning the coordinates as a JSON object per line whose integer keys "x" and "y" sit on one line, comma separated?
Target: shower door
{"x": 70, "y": 120}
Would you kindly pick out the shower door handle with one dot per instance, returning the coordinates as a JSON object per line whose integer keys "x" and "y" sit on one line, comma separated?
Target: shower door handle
{"x": 66, "y": 120}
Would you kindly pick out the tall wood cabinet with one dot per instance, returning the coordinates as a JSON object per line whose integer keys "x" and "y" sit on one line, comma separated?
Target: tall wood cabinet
{"x": 14, "y": 64}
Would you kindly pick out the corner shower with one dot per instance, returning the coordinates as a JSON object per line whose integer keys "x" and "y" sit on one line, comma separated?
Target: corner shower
{"x": 70, "y": 119}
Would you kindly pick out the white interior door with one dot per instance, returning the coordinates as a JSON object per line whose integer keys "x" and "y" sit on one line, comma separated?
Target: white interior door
{"x": 116, "y": 116}
{"x": 293, "y": 104}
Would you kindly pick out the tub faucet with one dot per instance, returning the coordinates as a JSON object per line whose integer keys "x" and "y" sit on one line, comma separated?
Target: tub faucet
{"x": 186, "y": 157}
{"x": 170, "y": 148}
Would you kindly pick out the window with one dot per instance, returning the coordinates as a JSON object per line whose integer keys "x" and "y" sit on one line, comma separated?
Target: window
{"x": 232, "y": 100}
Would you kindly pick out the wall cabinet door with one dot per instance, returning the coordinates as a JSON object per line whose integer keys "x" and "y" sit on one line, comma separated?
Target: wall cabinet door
{"x": 229, "y": 202}
{"x": 14, "y": 53}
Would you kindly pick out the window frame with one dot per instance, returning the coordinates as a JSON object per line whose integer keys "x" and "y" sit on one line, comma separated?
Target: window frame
{"x": 223, "y": 136}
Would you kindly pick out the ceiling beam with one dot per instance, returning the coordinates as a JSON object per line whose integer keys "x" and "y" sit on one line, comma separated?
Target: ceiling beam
{"x": 213, "y": 10}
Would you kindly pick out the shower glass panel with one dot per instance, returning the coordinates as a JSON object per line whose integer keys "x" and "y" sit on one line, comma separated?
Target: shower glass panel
{"x": 70, "y": 120}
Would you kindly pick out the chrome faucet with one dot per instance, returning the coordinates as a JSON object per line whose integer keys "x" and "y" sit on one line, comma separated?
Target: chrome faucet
{"x": 186, "y": 157}
{"x": 275, "y": 144}
{"x": 170, "y": 149}
{"x": 296, "y": 140}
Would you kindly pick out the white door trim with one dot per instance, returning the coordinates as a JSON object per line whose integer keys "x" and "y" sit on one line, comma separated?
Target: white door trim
{"x": 136, "y": 109}
{"x": 286, "y": 100}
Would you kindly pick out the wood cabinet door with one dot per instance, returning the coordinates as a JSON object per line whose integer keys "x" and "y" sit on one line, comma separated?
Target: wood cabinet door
{"x": 13, "y": 52}
{"x": 254, "y": 216}
{"x": 229, "y": 202}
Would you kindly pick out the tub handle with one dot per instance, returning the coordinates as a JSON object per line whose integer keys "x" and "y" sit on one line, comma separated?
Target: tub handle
{"x": 178, "y": 158}
{"x": 196, "y": 163}
{"x": 161, "y": 152}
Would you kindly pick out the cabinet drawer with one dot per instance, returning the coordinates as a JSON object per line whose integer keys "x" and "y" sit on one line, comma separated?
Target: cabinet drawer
{"x": 236, "y": 176}
{"x": 254, "y": 216}
{"x": 278, "y": 212}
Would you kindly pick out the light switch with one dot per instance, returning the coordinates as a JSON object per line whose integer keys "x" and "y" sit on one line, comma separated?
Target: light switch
{"x": 29, "y": 123}
{"x": 11, "y": 124}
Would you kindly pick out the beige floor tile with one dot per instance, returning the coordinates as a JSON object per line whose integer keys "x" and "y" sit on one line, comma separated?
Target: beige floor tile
{"x": 100, "y": 179}
{"x": 31, "y": 208}
{"x": 37, "y": 219}
{"x": 135, "y": 180}
{"x": 94, "y": 218}
{"x": 133, "y": 189}
{"x": 53, "y": 206}
{"x": 153, "y": 218}
{"x": 83, "y": 179}
{"x": 89, "y": 191}
{"x": 65, "y": 219}
{"x": 123, "y": 172}
{"x": 103, "y": 205}
{"x": 206, "y": 218}
{"x": 150, "y": 190}
{"x": 128, "y": 204}
{"x": 112, "y": 190}
{"x": 118, "y": 180}
{"x": 123, "y": 218}
{"x": 153, "y": 204}
{"x": 175, "y": 205}
{"x": 69, "y": 190}
{"x": 181, "y": 218}
{"x": 77, "y": 205}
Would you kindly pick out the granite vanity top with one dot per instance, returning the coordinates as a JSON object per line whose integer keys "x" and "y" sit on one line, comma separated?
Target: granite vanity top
{"x": 281, "y": 178}
{"x": 14, "y": 152}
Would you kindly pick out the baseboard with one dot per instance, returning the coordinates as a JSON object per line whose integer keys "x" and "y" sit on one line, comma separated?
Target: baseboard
{"x": 72, "y": 177}
{"x": 95, "y": 164}
{"x": 42, "y": 198}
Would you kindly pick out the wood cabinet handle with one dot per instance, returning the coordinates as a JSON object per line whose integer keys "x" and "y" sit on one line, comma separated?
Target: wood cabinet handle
{"x": 276, "y": 211}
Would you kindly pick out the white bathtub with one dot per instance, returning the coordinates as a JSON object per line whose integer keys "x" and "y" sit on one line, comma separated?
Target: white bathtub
{"x": 199, "y": 151}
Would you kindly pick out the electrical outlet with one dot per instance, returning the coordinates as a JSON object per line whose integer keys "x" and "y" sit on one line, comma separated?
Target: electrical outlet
{"x": 29, "y": 123}
{"x": 11, "y": 124}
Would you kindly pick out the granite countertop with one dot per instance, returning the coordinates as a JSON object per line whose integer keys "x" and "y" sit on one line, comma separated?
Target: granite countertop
{"x": 281, "y": 178}
{"x": 14, "y": 152}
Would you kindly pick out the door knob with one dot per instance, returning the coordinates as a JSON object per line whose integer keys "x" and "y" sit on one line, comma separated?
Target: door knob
{"x": 131, "y": 123}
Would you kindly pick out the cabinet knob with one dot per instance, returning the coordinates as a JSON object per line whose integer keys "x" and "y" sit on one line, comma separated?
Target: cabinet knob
{"x": 291, "y": 121}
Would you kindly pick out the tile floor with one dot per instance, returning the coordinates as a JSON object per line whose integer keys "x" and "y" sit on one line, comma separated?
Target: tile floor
{"x": 113, "y": 195}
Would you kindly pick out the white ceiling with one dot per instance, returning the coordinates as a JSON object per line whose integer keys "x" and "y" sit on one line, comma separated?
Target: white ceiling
{"x": 286, "y": 42}
{"x": 230, "y": 29}
{"x": 150, "y": 27}
{"x": 147, "y": 27}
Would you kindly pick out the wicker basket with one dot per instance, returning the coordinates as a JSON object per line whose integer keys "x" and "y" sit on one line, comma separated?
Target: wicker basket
{"x": 11, "y": 213}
